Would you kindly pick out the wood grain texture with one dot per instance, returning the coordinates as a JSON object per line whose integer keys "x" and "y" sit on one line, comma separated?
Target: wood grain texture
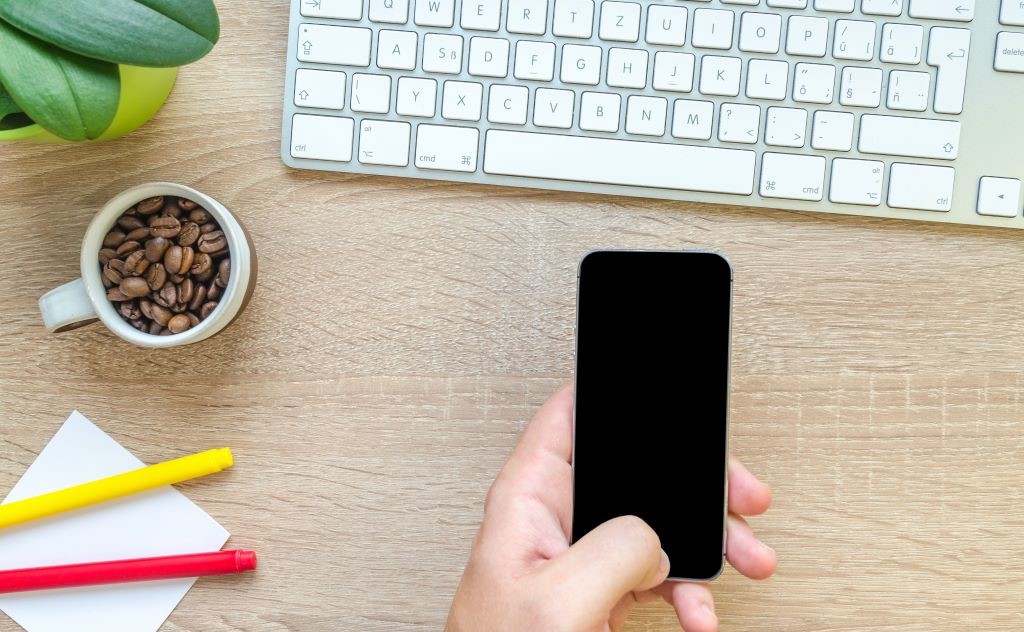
{"x": 403, "y": 332}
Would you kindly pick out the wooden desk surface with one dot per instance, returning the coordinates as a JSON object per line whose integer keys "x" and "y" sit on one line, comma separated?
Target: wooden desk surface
{"x": 403, "y": 332}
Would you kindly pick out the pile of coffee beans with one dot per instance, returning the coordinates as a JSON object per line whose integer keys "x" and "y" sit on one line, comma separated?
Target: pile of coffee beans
{"x": 165, "y": 265}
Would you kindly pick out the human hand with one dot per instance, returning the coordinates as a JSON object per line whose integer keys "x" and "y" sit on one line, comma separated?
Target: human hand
{"x": 523, "y": 575}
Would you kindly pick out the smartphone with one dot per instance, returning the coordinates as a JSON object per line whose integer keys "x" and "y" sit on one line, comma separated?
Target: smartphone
{"x": 652, "y": 395}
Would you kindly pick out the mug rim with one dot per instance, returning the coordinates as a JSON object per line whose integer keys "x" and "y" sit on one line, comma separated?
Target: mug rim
{"x": 92, "y": 242}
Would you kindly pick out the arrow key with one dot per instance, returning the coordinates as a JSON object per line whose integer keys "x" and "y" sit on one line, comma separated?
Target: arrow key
{"x": 999, "y": 197}
{"x": 319, "y": 89}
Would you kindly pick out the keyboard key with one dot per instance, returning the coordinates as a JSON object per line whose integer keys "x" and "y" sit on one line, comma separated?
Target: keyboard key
{"x": 956, "y": 10}
{"x": 673, "y": 71}
{"x": 739, "y": 123}
{"x": 623, "y": 162}
{"x": 833, "y": 131}
{"x": 371, "y": 93}
{"x": 573, "y": 18}
{"x": 785, "y": 127}
{"x": 481, "y": 15}
{"x": 528, "y": 17}
{"x": 384, "y": 143}
{"x": 760, "y": 32}
{"x": 712, "y": 28}
{"x": 581, "y": 64}
{"x": 854, "y": 39}
{"x": 620, "y": 21}
{"x": 949, "y": 49}
{"x": 767, "y": 79}
{"x": 442, "y": 53}
{"x": 319, "y": 89}
{"x": 462, "y": 100}
{"x": 792, "y": 177}
{"x": 1010, "y": 52}
{"x": 806, "y": 36}
{"x": 861, "y": 87}
{"x": 488, "y": 57}
{"x": 839, "y": 6}
{"x": 921, "y": 187}
{"x": 646, "y": 115}
{"x": 553, "y": 108}
{"x": 341, "y": 45}
{"x": 599, "y": 111}
{"x": 720, "y": 75}
{"x": 416, "y": 97}
{"x": 999, "y": 197}
{"x": 322, "y": 137}
{"x": 389, "y": 11}
{"x": 435, "y": 13}
{"x": 444, "y": 148}
{"x": 1012, "y": 13}
{"x": 337, "y": 9}
{"x": 535, "y": 61}
{"x": 856, "y": 182}
{"x": 396, "y": 49}
{"x": 788, "y": 4}
{"x": 627, "y": 68}
{"x": 666, "y": 25}
{"x": 901, "y": 43}
{"x": 908, "y": 91}
{"x": 916, "y": 137}
{"x": 881, "y": 7}
{"x": 814, "y": 83}
{"x": 507, "y": 104}
{"x": 692, "y": 119}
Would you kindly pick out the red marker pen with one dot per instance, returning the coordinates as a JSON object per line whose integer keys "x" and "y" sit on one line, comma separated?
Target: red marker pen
{"x": 120, "y": 571}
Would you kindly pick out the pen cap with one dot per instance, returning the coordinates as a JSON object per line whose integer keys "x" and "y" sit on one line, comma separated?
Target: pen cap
{"x": 246, "y": 560}
{"x": 222, "y": 458}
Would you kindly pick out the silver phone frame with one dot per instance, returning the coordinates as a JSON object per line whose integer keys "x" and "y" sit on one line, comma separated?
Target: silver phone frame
{"x": 728, "y": 374}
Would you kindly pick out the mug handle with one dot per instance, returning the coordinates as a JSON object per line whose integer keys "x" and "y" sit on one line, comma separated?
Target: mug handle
{"x": 67, "y": 307}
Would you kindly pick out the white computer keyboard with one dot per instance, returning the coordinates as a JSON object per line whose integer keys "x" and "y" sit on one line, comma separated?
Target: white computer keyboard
{"x": 911, "y": 109}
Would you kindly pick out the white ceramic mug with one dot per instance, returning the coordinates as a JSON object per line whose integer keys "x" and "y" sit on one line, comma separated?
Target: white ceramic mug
{"x": 84, "y": 300}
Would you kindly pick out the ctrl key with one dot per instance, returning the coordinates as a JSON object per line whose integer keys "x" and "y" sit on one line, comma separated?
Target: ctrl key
{"x": 322, "y": 137}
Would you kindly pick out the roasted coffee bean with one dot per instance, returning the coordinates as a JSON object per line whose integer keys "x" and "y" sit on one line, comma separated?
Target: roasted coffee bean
{"x": 146, "y": 307}
{"x": 107, "y": 283}
{"x": 161, "y": 315}
{"x": 113, "y": 239}
{"x": 208, "y": 227}
{"x": 155, "y": 248}
{"x": 172, "y": 259}
{"x": 111, "y": 273}
{"x": 212, "y": 241}
{"x": 135, "y": 287}
{"x": 169, "y": 294}
{"x": 187, "y": 257}
{"x": 139, "y": 234}
{"x": 189, "y": 234}
{"x": 159, "y": 300}
{"x": 106, "y": 254}
{"x": 198, "y": 298}
{"x": 175, "y": 278}
{"x": 136, "y": 263}
{"x": 179, "y": 324}
{"x": 223, "y": 272}
{"x": 115, "y": 295}
{"x": 130, "y": 222}
{"x": 129, "y": 310}
{"x": 207, "y": 309}
{"x": 200, "y": 216}
{"x": 202, "y": 264}
{"x": 156, "y": 276}
{"x": 193, "y": 320}
{"x": 213, "y": 290}
{"x": 186, "y": 290}
{"x": 150, "y": 205}
{"x": 171, "y": 209}
{"x": 155, "y": 328}
{"x": 127, "y": 248}
{"x": 186, "y": 205}
{"x": 138, "y": 324}
{"x": 165, "y": 226}
{"x": 166, "y": 332}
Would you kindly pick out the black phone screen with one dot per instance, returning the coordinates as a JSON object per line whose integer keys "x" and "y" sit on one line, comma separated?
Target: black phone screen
{"x": 652, "y": 369}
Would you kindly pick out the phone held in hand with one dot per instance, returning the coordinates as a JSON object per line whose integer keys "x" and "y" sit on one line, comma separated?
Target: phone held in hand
{"x": 652, "y": 397}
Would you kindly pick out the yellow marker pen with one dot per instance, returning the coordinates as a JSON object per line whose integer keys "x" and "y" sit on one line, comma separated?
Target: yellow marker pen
{"x": 117, "y": 486}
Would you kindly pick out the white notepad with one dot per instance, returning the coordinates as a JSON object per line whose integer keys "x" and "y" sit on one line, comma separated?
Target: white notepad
{"x": 159, "y": 522}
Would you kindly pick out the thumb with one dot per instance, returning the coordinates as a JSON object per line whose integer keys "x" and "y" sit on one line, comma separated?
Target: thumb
{"x": 587, "y": 581}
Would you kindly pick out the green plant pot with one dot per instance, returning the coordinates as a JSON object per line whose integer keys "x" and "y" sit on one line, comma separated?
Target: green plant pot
{"x": 143, "y": 91}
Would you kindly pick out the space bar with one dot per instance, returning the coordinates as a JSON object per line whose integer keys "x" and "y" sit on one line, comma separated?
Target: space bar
{"x": 625, "y": 162}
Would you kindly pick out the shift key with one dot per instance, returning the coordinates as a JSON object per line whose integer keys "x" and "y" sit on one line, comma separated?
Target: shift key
{"x": 906, "y": 136}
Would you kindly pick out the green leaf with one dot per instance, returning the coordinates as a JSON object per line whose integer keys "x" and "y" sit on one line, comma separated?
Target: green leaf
{"x": 136, "y": 32}
{"x": 72, "y": 96}
{"x": 7, "y": 104}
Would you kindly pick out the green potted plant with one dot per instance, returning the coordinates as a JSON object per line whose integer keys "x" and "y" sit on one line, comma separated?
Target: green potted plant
{"x": 76, "y": 70}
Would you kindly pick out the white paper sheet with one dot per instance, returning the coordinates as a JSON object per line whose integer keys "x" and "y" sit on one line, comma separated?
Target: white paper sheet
{"x": 159, "y": 522}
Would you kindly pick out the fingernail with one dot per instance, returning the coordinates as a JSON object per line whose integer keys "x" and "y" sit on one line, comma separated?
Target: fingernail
{"x": 708, "y": 610}
{"x": 665, "y": 564}
{"x": 766, "y": 547}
